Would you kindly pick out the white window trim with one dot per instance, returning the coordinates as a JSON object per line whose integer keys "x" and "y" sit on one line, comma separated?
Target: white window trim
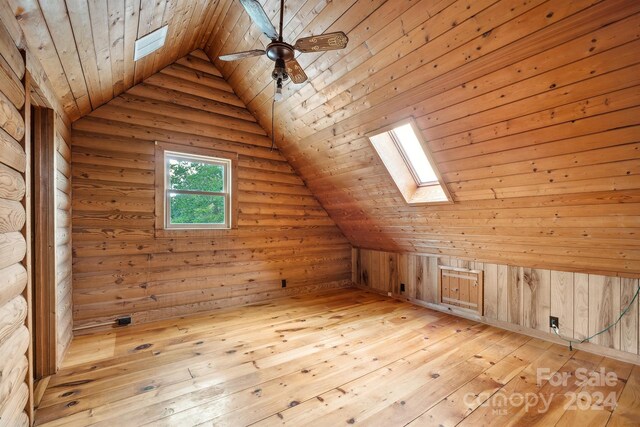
{"x": 160, "y": 231}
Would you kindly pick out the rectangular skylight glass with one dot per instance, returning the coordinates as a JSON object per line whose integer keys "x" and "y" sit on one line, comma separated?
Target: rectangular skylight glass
{"x": 414, "y": 155}
{"x": 404, "y": 152}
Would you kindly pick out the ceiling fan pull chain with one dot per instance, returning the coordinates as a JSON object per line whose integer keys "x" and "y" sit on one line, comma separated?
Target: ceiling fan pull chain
{"x": 273, "y": 129}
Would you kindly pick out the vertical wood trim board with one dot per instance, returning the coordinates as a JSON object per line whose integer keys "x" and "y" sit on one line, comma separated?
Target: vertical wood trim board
{"x": 523, "y": 297}
{"x": 44, "y": 274}
{"x": 121, "y": 266}
{"x": 27, "y": 232}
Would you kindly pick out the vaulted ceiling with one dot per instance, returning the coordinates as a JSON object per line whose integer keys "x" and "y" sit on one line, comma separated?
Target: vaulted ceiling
{"x": 86, "y": 46}
{"x": 531, "y": 108}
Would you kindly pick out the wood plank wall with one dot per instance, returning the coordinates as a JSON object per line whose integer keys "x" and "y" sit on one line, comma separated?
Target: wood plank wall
{"x": 14, "y": 334}
{"x": 121, "y": 268}
{"x": 517, "y": 297}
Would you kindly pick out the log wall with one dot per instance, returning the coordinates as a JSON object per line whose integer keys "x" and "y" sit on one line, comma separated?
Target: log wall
{"x": 14, "y": 334}
{"x": 121, "y": 268}
{"x": 518, "y": 298}
{"x": 19, "y": 69}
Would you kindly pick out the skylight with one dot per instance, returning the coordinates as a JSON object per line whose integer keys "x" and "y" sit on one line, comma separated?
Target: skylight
{"x": 410, "y": 163}
{"x": 414, "y": 155}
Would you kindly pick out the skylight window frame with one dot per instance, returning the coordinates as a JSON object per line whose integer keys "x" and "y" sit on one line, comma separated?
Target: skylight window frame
{"x": 395, "y": 160}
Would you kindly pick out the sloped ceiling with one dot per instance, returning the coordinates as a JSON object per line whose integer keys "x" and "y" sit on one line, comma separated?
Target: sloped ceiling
{"x": 86, "y": 46}
{"x": 531, "y": 108}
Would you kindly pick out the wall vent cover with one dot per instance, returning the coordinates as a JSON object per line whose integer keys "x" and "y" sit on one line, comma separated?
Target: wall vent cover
{"x": 150, "y": 43}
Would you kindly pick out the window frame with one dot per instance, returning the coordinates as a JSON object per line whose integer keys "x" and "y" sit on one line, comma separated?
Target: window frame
{"x": 164, "y": 151}
{"x": 401, "y": 169}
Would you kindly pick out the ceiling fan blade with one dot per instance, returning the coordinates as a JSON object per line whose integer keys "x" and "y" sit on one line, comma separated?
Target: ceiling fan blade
{"x": 260, "y": 18}
{"x": 241, "y": 55}
{"x": 330, "y": 41}
{"x": 296, "y": 73}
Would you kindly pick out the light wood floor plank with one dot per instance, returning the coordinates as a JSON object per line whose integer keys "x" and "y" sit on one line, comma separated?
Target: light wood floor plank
{"x": 332, "y": 358}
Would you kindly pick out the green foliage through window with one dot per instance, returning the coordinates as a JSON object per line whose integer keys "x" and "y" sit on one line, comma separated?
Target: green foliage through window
{"x": 191, "y": 175}
{"x": 188, "y": 176}
{"x": 197, "y": 209}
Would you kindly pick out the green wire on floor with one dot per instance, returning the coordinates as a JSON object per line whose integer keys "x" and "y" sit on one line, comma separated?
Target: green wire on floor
{"x": 571, "y": 342}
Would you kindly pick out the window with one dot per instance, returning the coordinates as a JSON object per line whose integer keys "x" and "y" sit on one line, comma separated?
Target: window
{"x": 194, "y": 188}
{"x": 410, "y": 163}
{"x": 413, "y": 155}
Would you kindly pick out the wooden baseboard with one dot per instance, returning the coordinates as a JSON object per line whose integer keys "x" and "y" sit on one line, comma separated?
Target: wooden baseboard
{"x": 588, "y": 347}
{"x": 209, "y": 306}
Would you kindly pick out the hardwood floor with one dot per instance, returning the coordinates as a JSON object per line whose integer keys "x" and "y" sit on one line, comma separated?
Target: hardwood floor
{"x": 337, "y": 358}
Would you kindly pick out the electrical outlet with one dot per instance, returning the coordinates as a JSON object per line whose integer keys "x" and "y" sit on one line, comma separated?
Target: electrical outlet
{"x": 401, "y": 287}
{"x": 554, "y": 322}
{"x": 123, "y": 321}
{"x": 284, "y": 283}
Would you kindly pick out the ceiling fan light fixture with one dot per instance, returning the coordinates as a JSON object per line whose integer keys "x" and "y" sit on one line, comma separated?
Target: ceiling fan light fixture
{"x": 279, "y": 75}
{"x": 280, "y": 71}
{"x": 277, "y": 96}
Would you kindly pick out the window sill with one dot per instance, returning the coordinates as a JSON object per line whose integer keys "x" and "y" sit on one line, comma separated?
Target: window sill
{"x": 192, "y": 232}
{"x": 426, "y": 195}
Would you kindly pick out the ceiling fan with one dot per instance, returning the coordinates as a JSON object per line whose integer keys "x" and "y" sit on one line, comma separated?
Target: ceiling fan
{"x": 282, "y": 53}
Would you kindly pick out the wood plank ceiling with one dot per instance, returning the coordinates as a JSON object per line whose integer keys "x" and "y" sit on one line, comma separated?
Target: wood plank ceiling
{"x": 530, "y": 106}
{"x": 86, "y": 46}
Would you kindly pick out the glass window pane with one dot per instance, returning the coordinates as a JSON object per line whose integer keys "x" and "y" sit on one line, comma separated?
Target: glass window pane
{"x": 196, "y": 209}
{"x": 193, "y": 175}
{"x": 415, "y": 154}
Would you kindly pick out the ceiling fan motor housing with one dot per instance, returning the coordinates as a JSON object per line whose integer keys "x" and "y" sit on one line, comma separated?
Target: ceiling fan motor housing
{"x": 280, "y": 50}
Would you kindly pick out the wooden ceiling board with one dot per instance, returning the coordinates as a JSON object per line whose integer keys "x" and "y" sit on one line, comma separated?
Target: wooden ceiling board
{"x": 530, "y": 109}
{"x": 86, "y": 46}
